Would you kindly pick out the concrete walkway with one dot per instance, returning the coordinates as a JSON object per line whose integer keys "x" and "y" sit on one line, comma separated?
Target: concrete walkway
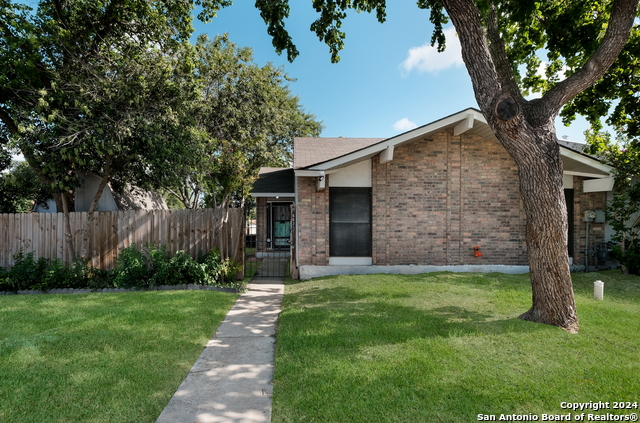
{"x": 232, "y": 379}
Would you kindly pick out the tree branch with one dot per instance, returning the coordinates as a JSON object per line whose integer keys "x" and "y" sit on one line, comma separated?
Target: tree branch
{"x": 623, "y": 13}
{"x": 9, "y": 123}
{"x": 475, "y": 52}
{"x": 103, "y": 183}
{"x": 498, "y": 53}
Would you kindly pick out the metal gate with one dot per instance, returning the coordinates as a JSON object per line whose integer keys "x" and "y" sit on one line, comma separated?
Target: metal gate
{"x": 268, "y": 240}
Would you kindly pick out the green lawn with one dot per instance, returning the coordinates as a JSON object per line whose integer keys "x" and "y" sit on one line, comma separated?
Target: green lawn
{"x": 101, "y": 357}
{"x": 445, "y": 347}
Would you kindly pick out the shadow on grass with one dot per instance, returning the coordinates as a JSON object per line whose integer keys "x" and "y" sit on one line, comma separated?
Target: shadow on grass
{"x": 378, "y": 356}
{"x": 350, "y": 318}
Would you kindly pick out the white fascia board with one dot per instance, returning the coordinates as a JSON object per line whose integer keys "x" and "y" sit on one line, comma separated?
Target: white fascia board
{"x": 465, "y": 125}
{"x": 398, "y": 139}
{"x": 584, "y": 174}
{"x": 273, "y": 194}
{"x": 598, "y": 185}
{"x": 302, "y": 172}
{"x": 565, "y": 152}
{"x": 386, "y": 155}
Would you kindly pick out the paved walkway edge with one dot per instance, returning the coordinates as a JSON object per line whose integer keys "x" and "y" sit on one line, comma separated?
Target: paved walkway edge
{"x": 232, "y": 380}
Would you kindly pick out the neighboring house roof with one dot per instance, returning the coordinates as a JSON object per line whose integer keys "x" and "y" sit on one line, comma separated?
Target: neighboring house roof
{"x": 309, "y": 151}
{"x": 319, "y": 157}
{"x": 274, "y": 182}
{"x": 135, "y": 198}
{"x": 576, "y": 146}
{"x": 130, "y": 198}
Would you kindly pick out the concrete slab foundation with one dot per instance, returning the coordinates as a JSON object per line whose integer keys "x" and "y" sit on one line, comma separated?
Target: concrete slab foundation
{"x": 308, "y": 272}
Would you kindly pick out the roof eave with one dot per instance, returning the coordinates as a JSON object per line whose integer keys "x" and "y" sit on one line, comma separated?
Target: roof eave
{"x": 467, "y": 115}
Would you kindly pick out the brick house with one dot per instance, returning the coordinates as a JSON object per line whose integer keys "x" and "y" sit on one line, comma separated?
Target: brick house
{"x": 422, "y": 201}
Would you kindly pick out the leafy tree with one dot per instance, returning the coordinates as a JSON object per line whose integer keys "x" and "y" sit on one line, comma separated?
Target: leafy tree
{"x": 497, "y": 36}
{"x": 246, "y": 118}
{"x": 94, "y": 86}
{"x": 623, "y": 211}
{"x": 20, "y": 189}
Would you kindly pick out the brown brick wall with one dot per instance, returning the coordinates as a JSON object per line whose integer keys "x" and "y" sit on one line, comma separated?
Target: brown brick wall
{"x": 586, "y": 201}
{"x": 261, "y": 224}
{"x": 442, "y": 196}
{"x": 313, "y": 222}
{"x": 435, "y": 201}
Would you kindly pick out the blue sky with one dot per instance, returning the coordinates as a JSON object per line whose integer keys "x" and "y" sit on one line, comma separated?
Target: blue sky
{"x": 388, "y": 79}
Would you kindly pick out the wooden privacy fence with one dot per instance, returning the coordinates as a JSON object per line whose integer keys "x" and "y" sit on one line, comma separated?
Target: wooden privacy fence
{"x": 192, "y": 231}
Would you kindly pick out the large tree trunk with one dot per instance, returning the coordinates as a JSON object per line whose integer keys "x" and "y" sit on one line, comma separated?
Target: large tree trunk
{"x": 84, "y": 249}
{"x": 64, "y": 200}
{"x": 537, "y": 154}
{"x": 526, "y": 130}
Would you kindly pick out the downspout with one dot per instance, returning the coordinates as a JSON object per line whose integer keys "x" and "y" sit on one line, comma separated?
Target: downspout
{"x": 589, "y": 215}
{"x": 586, "y": 249}
{"x": 295, "y": 190}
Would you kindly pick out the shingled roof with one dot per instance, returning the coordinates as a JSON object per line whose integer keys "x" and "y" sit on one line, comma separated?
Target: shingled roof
{"x": 309, "y": 151}
{"x": 274, "y": 181}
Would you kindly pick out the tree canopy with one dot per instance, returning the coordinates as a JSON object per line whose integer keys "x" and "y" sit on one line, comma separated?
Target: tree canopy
{"x": 581, "y": 40}
{"x": 115, "y": 88}
{"x": 246, "y": 118}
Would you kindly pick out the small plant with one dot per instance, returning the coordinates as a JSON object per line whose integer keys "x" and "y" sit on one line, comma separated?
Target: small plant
{"x": 229, "y": 270}
{"x": 158, "y": 264}
{"x": 213, "y": 266}
{"x": 629, "y": 257}
{"x": 25, "y": 272}
{"x": 185, "y": 270}
{"x": 131, "y": 268}
{"x": 4, "y": 285}
{"x": 55, "y": 274}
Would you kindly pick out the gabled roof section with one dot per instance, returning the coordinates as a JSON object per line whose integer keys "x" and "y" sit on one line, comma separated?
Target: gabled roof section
{"x": 309, "y": 151}
{"x": 320, "y": 155}
{"x": 274, "y": 182}
{"x": 460, "y": 122}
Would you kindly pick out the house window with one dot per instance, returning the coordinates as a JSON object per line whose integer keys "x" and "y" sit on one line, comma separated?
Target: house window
{"x": 350, "y": 222}
{"x": 568, "y": 197}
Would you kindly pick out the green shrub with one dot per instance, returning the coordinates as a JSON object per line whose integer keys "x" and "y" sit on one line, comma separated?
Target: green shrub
{"x": 150, "y": 266}
{"x": 4, "y": 284}
{"x": 55, "y": 275}
{"x": 158, "y": 265}
{"x": 131, "y": 269}
{"x": 26, "y": 272}
{"x": 212, "y": 265}
{"x": 185, "y": 270}
{"x": 630, "y": 258}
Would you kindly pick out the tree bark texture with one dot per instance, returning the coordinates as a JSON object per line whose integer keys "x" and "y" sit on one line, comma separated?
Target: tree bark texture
{"x": 526, "y": 130}
{"x": 537, "y": 154}
{"x": 68, "y": 234}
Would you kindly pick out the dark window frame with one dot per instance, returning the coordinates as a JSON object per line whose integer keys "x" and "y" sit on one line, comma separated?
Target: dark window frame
{"x": 569, "y": 199}
{"x": 336, "y": 250}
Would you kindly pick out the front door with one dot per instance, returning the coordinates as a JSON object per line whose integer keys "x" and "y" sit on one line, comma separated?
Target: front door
{"x": 268, "y": 253}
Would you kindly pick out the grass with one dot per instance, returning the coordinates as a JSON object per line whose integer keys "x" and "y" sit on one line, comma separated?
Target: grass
{"x": 445, "y": 347}
{"x": 101, "y": 357}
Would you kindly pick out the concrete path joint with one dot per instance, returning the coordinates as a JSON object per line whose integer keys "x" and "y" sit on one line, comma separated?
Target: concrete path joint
{"x": 232, "y": 380}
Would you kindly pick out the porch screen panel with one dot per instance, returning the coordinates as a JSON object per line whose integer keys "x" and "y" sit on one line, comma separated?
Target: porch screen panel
{"x": 350, "y": 222}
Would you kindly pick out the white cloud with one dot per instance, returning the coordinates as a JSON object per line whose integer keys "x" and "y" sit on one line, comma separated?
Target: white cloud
{"x": 427, "y": 58}
{"x": 404, "y": 124}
